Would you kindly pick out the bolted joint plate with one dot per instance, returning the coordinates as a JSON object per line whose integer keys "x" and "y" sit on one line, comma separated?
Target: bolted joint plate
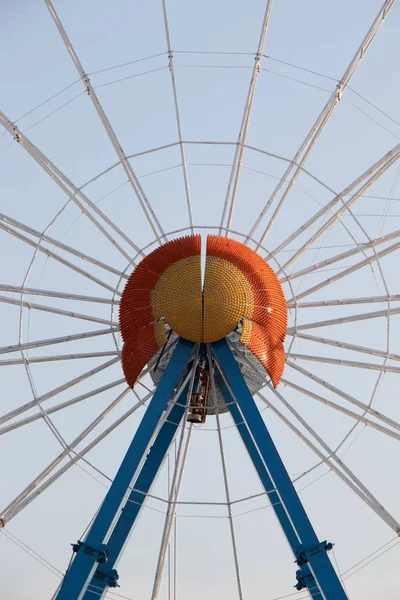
{"x": 109, "y": 577}
{"x": 304, "y": 554}
{"x": 101, "y": 553}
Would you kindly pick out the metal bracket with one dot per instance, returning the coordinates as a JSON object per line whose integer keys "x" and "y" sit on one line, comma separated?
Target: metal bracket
{"x": 109, "y": 578}
{"x": 304, "y": 580}
{"x": 102, "y": 552}
{"x": 304, "y": 553}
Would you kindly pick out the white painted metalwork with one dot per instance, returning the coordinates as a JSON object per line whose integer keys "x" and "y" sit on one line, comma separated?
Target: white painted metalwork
{"x": 225, "y": 474}
{"x": 348, "y": 319}
{"x": 57, "y": 390}
{"x": 350, "y": 270}
{"x": 57, "y": 340}
{"x": 342, "y": 256}
{"x": 342, "y": 409}
{"x": 56, "y": 257}
{"x": 56, "y": 311}
{"x": 180, "y": 463}
{"x": 345, "y": 345}
{"x": 378, "y": 169}
{"x": 344, "y": 363}
{"x": 54, "y": 294}
{"x": 67, "y": 186}
{"x": 126, "y": 165}
{"x": 342, "y": 394}
{"x": 61, "y": 406}
{"x": 61, "y": 245}
{"x": 317, "y": 128}
{"x": 178, "y": 116}
{"x": 63, "y": 301}
{"x": 16, "y": 508}
{"x": 233, "y": 183}
{"x": 12, "y": 508}
{"x": 345, "y": 301}
{"x": 57, "y": 357}
{"x": 343, "y": 471}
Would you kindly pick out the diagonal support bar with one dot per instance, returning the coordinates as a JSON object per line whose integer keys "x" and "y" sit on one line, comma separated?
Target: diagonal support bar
{"x": 105, "y": 574}
{"x": 92, "y": 550}
{"x": 309, "y": 551}
{"x": 267, "y": 483}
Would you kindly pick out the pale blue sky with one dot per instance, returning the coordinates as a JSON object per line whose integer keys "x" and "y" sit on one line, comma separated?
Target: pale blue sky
{"x": 318, "y": 36}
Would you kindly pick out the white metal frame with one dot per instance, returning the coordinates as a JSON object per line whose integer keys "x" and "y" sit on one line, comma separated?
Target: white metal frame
{"x": 114, "y": 279}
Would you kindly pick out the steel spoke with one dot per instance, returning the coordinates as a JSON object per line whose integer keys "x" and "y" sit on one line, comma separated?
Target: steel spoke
{"x": 57, "y": 257}
{"x": 41, "y": 488}
{"x": 350, "y": 319}
{"x": 339, "y": 468}
{"x": 61, "y": 406}
{"x": 46, "y": 238}
{"x": 344, "y": 363}
{"x": 345, "y": 301}
{"x": 368, "y": 261}
{"x": 53, "y": 294}
{"x": 58, "y": 390}
{"x": 57, "y": 311}
{"x": 180, "y": 463}
{"x": 374, "y": 173}
{"x": 68, "y": 187}
{"x": 343, "y": 410}
{"x": 177, "y": 115}
{"x": 12, "y": 508}
{"x": 57, "y": 340}
{"x": 317, "y": 128}
{"x": 57, "y": 357}
{"x": 233, "y": 183}
{"x": 365, "y": 407}
{"x": 342, "y": 256}
{"x": 225, "y": 475}
{"x": 133, "y": 180}
{"x": 346, "y": 346}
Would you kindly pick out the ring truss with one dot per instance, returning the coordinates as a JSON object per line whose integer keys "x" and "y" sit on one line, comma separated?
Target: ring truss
{"x": 88, "y": 278}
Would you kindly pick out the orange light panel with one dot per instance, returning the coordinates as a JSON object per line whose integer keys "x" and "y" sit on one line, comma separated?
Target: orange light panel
{"x": 239, "y": 287}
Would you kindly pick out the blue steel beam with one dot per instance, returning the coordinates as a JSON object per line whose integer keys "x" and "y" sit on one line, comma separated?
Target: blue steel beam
{"x": 266, "y": 481}
{"x": 311, "y": 552}
{"x": 92, "y": 550}
{"x": 105, "y": 574}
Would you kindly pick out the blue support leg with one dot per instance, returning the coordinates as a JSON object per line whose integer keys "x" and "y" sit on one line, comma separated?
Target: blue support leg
{"x": 92, "y": 550}
{"x": 268, "y": 485}
{"x": 311, "y": 552}
{"x": 105, "y": 575}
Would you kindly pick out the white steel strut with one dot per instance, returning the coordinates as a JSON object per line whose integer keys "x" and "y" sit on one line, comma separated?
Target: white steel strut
{"x": 233, "y": 183}
{"x": 341, "y": 469}
{"x": 328, "y": 386}
{"x": 178, "y": 117}
{"x": 15, "y": 507}
{"x": 55, "y": 391}
{"x": 374, "y": 173}
{"x": 74, "y": 193}
{"x": 133, "y": 180}
{"x": 316, "y": 130}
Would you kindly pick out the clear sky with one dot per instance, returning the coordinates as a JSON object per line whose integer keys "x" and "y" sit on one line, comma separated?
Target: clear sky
{"x": 122, "y": 46}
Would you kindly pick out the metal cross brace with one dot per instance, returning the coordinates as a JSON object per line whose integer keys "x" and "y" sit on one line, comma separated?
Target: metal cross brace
{"x": 315, "y": 572}
{"x": 92, "y": 571}
{"x": 92, "y": 552}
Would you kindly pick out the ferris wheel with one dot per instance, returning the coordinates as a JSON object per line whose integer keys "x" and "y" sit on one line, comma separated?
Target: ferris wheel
{"x": 199, "y": 299}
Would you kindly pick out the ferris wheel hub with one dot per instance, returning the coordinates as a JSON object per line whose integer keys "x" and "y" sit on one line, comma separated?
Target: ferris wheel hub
{"x": 237, "y": 292}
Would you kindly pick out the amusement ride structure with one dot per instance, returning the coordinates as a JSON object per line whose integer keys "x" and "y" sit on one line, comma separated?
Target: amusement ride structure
{"x": 164, "y": 304}
{"x": 207, "y": 327}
